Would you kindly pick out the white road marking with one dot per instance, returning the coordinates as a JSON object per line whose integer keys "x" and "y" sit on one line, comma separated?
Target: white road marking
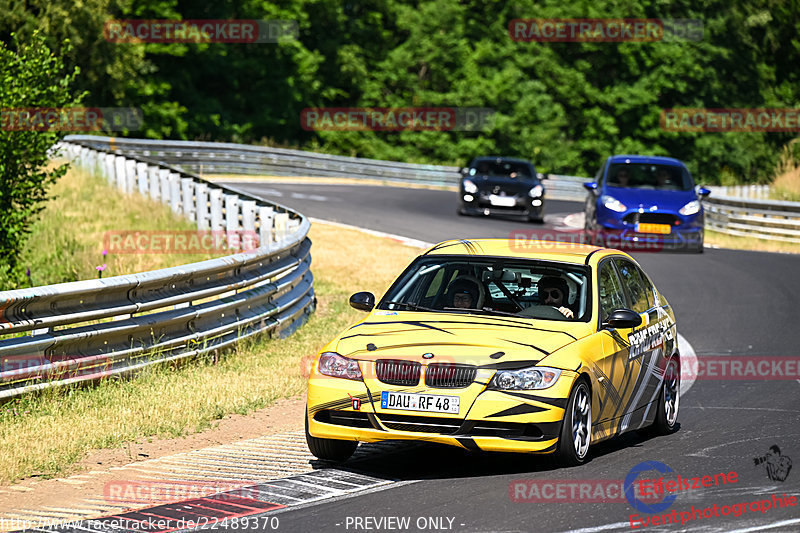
{"x": 606, "y": 527}
{"x": 768, "y": 526}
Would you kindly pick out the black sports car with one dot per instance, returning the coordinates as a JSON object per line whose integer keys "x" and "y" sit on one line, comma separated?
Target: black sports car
{"x": 501, "y": 185}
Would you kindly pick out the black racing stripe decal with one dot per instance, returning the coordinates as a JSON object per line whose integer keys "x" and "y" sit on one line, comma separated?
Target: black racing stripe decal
{"x": 528, "y": 345}
{"x": 521, "y": 409}
{"x": 443, "y": 245}
{"x": 468, "y": 443}
{"x": 588, "y": 257}
{"x": 509, "y": 365}
{"x": 555, "y": 402}
{"x": 338, "y": 404}
{"x": 407, "y": 322}
{"x": 485, "y": 321}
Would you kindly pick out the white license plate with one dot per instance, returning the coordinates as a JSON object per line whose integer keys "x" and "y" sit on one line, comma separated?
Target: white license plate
{"x": 502, "y": 201}
{"x": 420, "y": 402}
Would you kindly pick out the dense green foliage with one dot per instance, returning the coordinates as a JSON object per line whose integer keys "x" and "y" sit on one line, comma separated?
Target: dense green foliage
{"x": 30, "y": 76}
{"x": 566, "y": 106}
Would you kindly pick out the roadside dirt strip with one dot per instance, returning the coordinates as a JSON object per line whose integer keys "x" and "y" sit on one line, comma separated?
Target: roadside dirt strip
{"x": 200, "y": 487}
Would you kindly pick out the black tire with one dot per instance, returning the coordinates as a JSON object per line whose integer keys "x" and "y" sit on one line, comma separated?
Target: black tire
{"x": 329, "y": 449}
{"x": 668, "y": 400}
{"x": 461, "y": 212}
{"x": 567, "y": 451}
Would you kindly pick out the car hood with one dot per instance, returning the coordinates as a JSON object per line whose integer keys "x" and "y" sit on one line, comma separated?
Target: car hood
{"x": 651, "y": 199}
{"x": 457, "y": 338}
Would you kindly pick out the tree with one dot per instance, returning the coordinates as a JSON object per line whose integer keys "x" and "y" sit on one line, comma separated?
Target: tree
{"x": 31, "y": 76}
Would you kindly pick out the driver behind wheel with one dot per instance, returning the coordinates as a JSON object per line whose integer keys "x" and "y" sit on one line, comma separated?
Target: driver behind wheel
{"x": 553, "y": 291}
{"x": 463, "y": 293}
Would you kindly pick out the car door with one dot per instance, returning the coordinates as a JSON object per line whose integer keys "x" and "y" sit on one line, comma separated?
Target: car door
{"x": 615, "y": 380}
{"x": 647, "y": 341}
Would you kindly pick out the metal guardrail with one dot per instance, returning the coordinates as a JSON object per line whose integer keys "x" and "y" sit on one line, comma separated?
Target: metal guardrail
{"x": 752, "y": 217}
{"x": 229, "y": 158}
{"x": 86, "y": 330}
{"x": 763, "y": 219}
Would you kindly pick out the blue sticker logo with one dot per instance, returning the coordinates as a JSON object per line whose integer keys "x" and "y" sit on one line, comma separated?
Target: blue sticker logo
{"x": 631, "y": 479}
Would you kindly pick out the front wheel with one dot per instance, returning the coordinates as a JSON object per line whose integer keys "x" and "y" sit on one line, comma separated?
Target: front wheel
{"x": 576, "y": 430}
{"x": 668, "y": 400}
{"x": 329, "y": 449}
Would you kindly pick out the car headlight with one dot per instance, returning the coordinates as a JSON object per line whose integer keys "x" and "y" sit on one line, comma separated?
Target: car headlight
{"x": 612, "y": 203}
{"x": 535, "y": 377}
{"x": 337, "y": 366}
{"x": 536, "y": 191}
{"x": 469, "y": 186}
{"x": 690, "y": 209}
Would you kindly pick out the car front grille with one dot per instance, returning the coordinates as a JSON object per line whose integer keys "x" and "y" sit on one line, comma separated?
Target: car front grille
{"x": 421, "y": 424}
{"x": 398, "y": 372}
{"x": 650, "y": 218}
{"x": 449, "y": 376}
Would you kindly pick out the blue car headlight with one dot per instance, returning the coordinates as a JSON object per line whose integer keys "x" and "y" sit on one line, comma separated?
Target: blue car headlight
{"x": 337, "y": 366}
{"x": 612, "y": 203}
{"x": 469, "y": 186}
{"x": 532, "y": 378}
{"x": 691, "y": 208}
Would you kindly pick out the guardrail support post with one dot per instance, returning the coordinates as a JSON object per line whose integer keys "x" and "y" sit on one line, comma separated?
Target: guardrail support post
{"x": 187, "y": 187}
{"x": 155, "y": 189}
{"x": 249, "y": 216}
{"x": 130, "y": 175}
{"x": 110, "y": 170}
{"x": 175, "y": 192}
{"x": 266, "y": 217}
{"x": 215, "y": 200}
{"x": 201, "y": 207}
{"x": 164, "y": 181}
{"x": 232, "y": 220}
{"x": 141, "y": 177}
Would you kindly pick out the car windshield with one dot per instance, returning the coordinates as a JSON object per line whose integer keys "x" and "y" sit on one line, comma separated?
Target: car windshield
{"x": 501, "y": 168}
{"x": 649, "y": 176}
{"x": 495, "y": 286}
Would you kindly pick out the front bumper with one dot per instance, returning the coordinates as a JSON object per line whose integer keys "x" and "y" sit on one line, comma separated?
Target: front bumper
{"x": 480, "y": 204}
{"x": 489, "y": 420}
{"x": 614, "y": 232}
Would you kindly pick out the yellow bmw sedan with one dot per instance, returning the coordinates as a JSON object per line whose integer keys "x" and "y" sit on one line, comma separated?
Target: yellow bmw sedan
{"x": 498, "y": 346}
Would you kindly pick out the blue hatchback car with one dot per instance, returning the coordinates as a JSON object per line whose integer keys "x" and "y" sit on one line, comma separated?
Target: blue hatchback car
{"x": 645, "y": 202}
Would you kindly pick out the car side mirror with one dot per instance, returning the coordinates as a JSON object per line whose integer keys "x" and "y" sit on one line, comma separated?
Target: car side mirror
{"x": 702, "y": 191}
{"x": 464, "y": 171}
{"x": 590, "y": 186}
{"x": 363, "y": 301}
{"x": 622, "y": 319}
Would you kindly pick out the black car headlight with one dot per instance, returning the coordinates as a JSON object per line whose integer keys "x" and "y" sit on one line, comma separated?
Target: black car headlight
{"x": 531, "y": 378}
{"x": 337, "y": 366}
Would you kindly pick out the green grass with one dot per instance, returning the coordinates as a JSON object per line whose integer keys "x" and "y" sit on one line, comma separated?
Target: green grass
{"x": 45, "y": 434}
{"x": 67, "y": 239}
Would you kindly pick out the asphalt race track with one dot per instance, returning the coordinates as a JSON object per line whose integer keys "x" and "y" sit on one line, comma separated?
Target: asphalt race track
{"x": 727, "y": 303}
